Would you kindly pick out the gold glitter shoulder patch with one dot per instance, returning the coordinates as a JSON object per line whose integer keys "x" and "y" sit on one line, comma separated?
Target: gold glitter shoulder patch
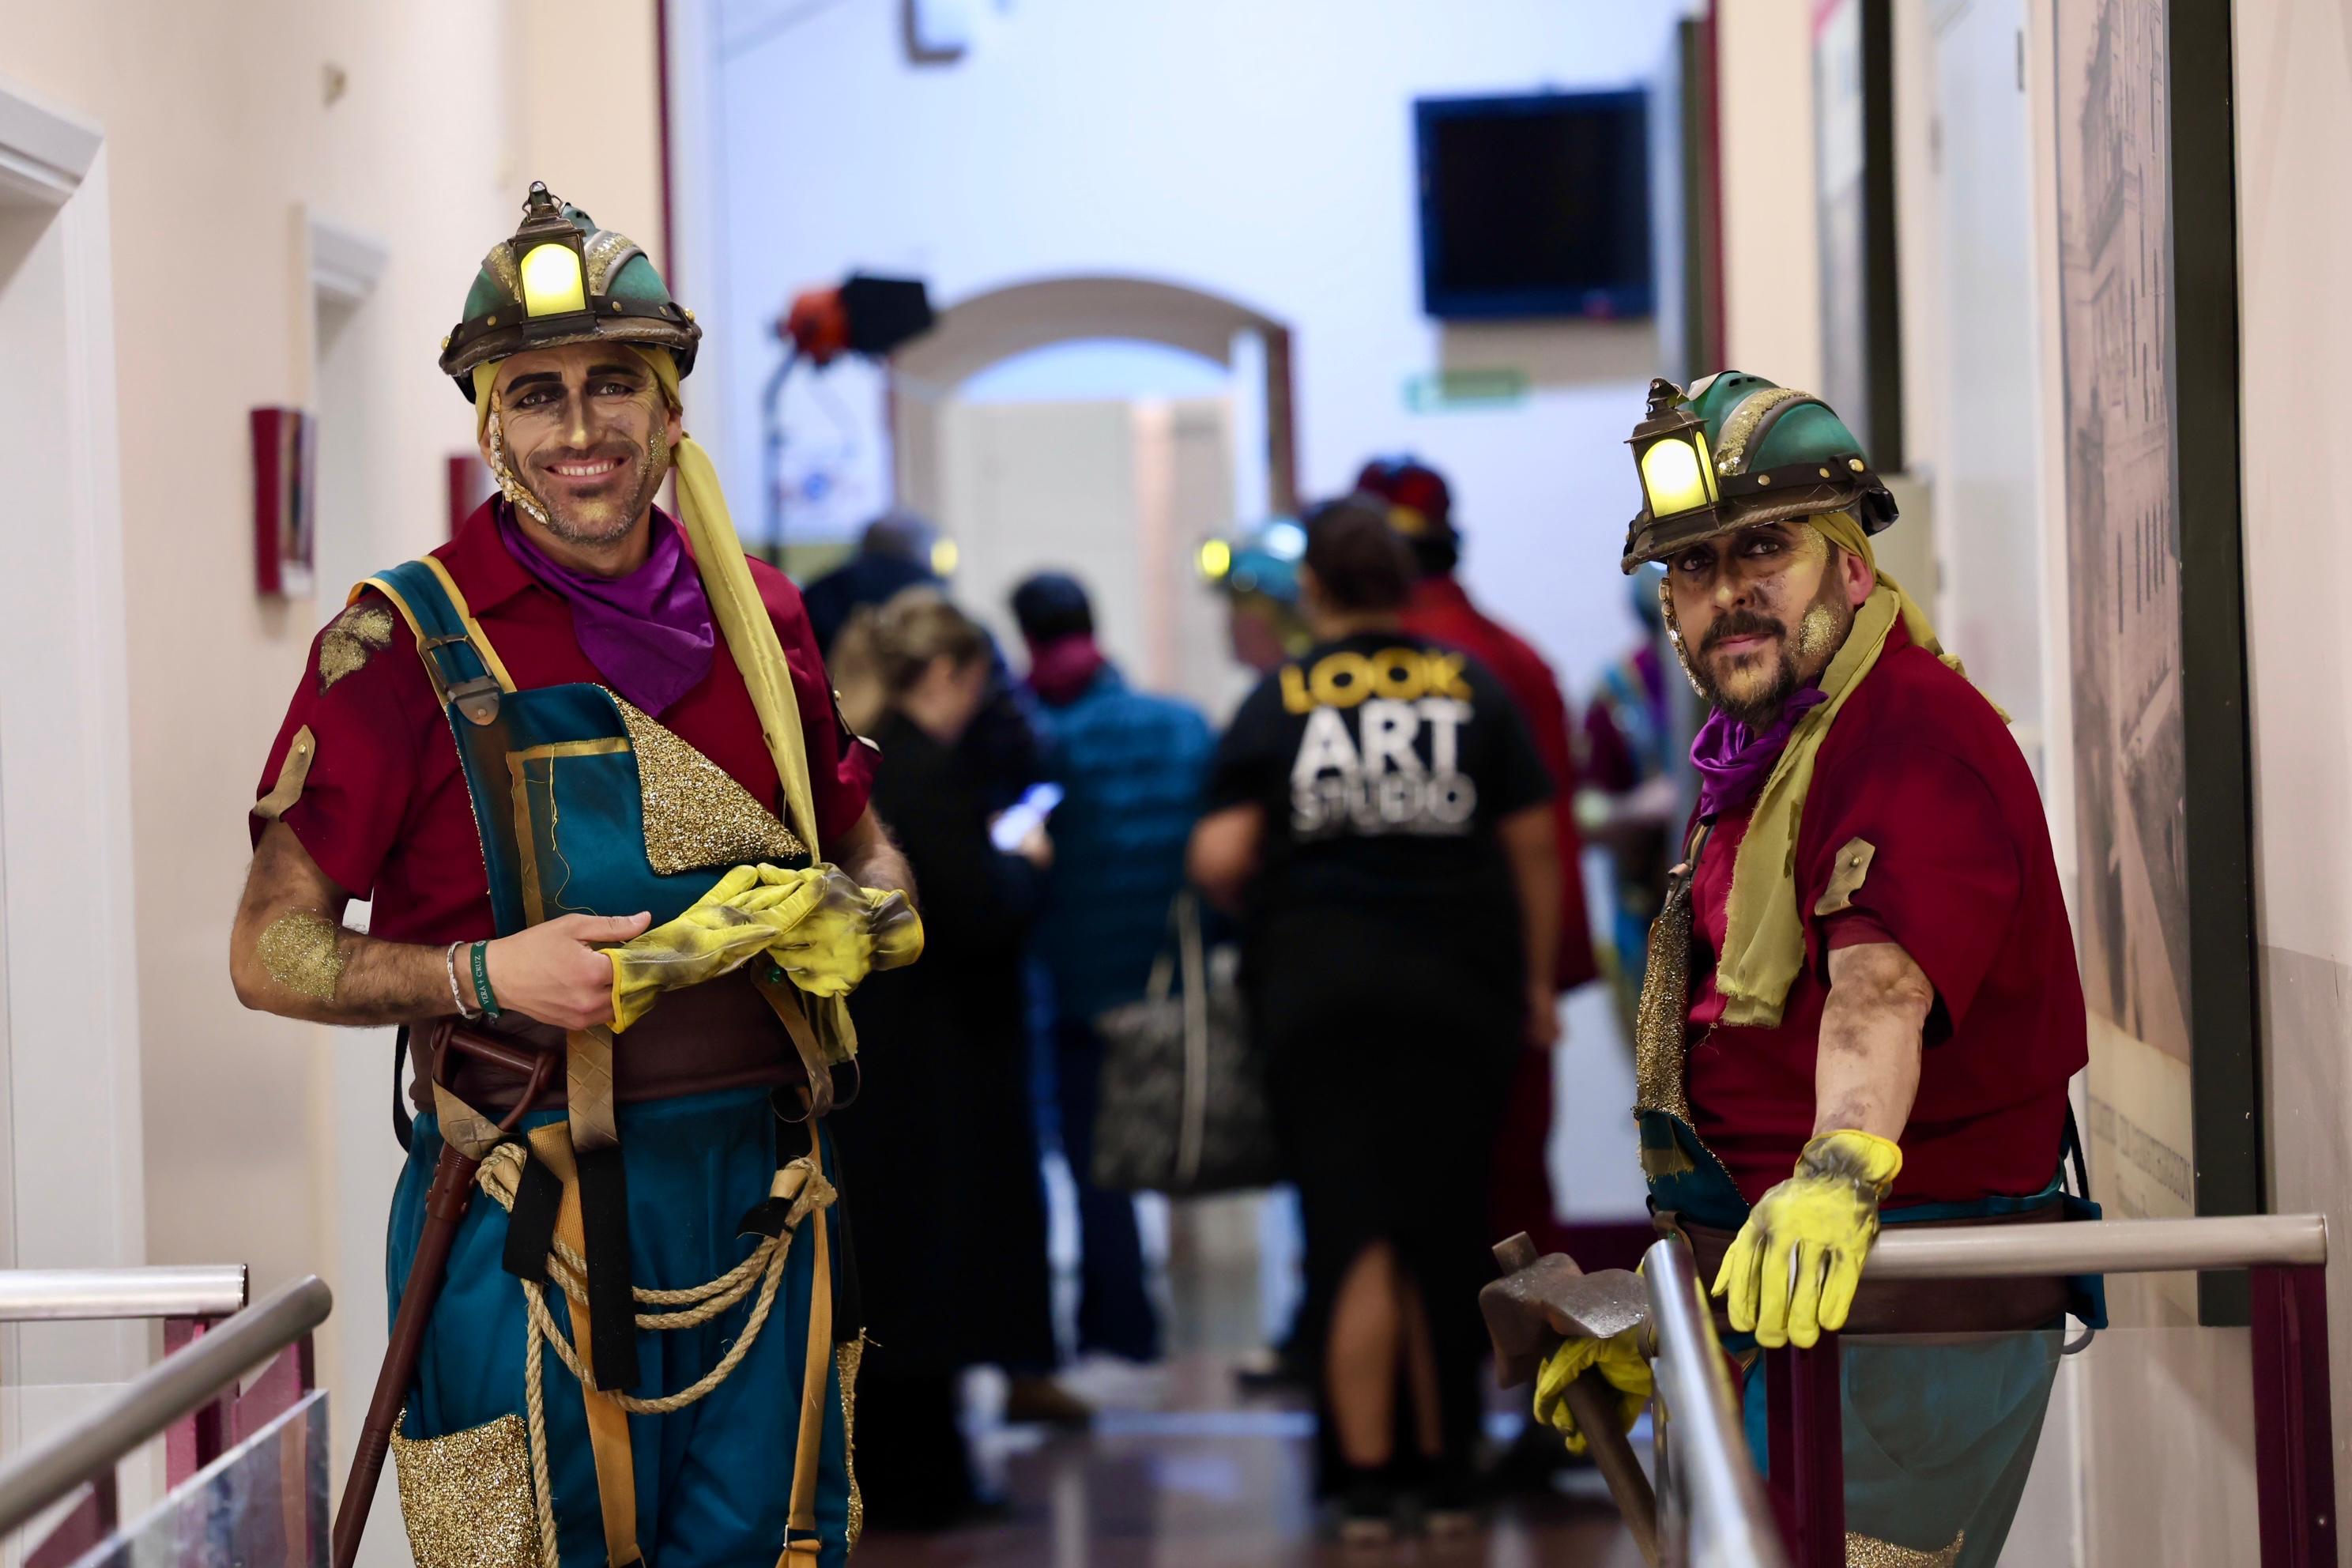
{"x": 696, "y": 815}
{"x": 356, "y": 636}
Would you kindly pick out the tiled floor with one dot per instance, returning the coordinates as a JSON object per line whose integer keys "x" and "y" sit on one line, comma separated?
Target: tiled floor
{"x": 1180, "y": 1473}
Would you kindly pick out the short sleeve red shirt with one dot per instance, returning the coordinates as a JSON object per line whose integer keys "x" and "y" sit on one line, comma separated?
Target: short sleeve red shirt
{"x": 384, "y": 809}
{"x": 1919, "y": 768}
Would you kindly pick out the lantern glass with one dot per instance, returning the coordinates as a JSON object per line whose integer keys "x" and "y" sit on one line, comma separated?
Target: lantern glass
{"x": 552, "y": 284}
{"x": 1675, "y": 475}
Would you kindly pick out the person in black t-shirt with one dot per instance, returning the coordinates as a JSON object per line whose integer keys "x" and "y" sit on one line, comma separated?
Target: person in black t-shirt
{"x": 1381, "y": 820}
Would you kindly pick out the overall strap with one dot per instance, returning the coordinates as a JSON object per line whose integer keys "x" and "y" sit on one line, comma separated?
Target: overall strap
{"x": 466, "y": 669}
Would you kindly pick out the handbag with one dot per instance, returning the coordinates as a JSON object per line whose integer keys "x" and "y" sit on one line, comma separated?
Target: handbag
{"x": 1183, "y": 1107}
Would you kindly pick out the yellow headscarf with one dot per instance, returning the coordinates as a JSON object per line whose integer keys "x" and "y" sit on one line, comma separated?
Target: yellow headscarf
{"x": 1764, "y": 945}
{"x": 751, "y": 637}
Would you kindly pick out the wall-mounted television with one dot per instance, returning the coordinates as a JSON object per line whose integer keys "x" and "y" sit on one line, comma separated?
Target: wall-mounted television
{"x": 1536, "y": 204}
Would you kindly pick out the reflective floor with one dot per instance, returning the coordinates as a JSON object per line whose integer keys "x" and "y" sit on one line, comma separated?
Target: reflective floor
{"x": 1181, "y": 1471}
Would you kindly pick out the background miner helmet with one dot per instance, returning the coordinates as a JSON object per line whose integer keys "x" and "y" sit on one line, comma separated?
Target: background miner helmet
{"x": 1257, "y": 559}
{"x": 561, "y": 280}
{"x": 1420, "y": 508}
{"x": 1737, "y": 450}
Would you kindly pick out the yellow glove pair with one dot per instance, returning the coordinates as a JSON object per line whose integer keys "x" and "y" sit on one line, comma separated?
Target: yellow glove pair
{"x": 823, "y": 930}
{"x": 1621, "y": 1361}
{"x": 1792, "y": 1271}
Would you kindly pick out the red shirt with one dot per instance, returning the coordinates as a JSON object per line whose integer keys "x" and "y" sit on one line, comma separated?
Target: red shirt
{"x": 384, "y": 810}
{"x": 1920, "y": 767}
{"x": 1442, "y": 611}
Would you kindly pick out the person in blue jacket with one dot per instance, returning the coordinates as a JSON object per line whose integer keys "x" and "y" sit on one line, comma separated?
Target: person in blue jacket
{"x": 1131, "y": 766}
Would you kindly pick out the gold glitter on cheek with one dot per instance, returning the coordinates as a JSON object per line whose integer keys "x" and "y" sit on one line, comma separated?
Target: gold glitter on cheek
{"x": 1817, "y": 634}
{"x": 302, "y": 951}
{"x": 467, "y": 1498}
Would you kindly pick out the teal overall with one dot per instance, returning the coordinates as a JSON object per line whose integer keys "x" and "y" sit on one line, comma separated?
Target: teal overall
{"x": 674, "y": 1196}
{"x": 1939, "y": 1435}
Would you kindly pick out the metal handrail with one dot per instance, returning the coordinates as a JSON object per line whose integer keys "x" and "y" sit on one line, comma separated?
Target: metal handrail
{"x": 2109, "y": 1247}
{"x": 174, "y": 1388}
{"x": 1712, "y": 1504}
{"x": 59, "y": 1295}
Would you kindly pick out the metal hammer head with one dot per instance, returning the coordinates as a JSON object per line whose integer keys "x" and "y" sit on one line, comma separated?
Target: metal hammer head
{"x": 1542, "y": 1300}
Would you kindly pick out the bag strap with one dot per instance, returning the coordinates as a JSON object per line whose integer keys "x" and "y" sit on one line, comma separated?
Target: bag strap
{"x": 1193, "y": 1133}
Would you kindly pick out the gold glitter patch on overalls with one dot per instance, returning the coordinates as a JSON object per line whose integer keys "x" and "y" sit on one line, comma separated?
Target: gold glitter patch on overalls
{"x": 1869, "y": 1551}
{"x": 466, "y": 1496}
{"x": 850, "y": 1357}
{"x": 353, "y": 639}
{"x": 696, "y": 815}
{"x": 302, "y": 951}
{"x": 1660, "y": 1051}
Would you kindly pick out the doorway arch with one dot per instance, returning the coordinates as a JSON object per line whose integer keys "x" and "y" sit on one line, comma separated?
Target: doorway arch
{"x": 998, "y": 323}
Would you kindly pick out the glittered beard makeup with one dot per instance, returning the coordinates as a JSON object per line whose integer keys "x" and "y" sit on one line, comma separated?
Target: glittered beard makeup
{"x": 518, "y": 495}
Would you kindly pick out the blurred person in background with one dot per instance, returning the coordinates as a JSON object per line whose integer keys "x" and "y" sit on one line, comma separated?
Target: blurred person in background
{"x": 1421, "y": 508}
{"x": 1630, "y": 791}
{"x": 1256, "y": 569}
{"x": 897, "y": 551}
{"x": 1132, "y": 765}
{"x": 1381, "y": 817}
{"x": 940, "y": 1143}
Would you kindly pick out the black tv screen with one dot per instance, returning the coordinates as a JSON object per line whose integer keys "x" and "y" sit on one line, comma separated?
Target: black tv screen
{"x": 1535, "y": 206}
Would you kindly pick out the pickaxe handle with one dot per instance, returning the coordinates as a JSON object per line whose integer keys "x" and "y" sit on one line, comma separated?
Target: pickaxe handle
{"x": 1593, "y": 1402}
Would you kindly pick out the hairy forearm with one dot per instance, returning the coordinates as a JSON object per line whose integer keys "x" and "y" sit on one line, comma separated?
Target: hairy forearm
{"x": 872, "y": 858}
{"x": 300, "y": 963}
{"x": 1866, "y": 1073}
{"x": 290, "y": 953}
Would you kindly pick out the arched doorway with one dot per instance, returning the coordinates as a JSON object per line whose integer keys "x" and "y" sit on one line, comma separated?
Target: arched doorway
{"x": 1118, "y": 488}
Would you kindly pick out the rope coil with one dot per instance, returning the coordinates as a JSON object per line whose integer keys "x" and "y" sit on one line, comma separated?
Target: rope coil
{"x": 499, "y": 1175}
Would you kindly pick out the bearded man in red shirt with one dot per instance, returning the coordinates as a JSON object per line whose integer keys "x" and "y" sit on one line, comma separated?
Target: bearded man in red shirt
{"x": 1861, "y": 1003}
{"x": 1420, "y": 508}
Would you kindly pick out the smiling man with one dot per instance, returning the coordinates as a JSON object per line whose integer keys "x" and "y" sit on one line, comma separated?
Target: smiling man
{"x": 584, "y": 762}
{"x": 1861, "y": 1003}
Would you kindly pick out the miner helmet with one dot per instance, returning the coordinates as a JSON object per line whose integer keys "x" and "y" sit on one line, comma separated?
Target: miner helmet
{"x": 561, "y": 280}
{"x": 1737, "y": 450}
{"x": 1258, "y": 558}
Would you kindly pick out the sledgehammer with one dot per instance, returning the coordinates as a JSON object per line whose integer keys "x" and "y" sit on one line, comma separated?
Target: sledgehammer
{"x": 1538, "y": 1302}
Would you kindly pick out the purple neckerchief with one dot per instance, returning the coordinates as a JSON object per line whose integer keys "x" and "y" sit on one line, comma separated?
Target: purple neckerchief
{"x": 1733, "y": 761}
{"x": 649, "y": 633}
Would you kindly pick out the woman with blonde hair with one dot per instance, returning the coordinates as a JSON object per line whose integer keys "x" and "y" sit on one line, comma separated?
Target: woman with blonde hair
{"x": 941, "y": 1145}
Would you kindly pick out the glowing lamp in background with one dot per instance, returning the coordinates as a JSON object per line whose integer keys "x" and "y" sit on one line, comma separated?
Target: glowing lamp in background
{"x": 1216, "y": 560}
{"x": 944, "y": 556}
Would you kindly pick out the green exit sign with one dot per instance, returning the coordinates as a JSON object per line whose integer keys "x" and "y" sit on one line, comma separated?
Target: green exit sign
{"x": 1443, "y": 391}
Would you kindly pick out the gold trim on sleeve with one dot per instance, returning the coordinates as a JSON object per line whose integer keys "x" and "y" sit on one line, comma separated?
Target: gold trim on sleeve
{"x": 1846, "y": 878}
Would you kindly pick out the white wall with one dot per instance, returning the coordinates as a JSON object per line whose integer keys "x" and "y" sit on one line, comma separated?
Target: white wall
{"x": 2294, "y": 63}
{"x": 1260, "y": 151}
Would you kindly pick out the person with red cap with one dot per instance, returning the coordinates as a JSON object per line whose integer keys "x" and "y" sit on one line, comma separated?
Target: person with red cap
{"x": 1420, "y": 508}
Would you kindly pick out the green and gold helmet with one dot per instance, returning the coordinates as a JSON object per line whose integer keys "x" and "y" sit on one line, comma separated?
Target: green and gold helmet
{"x": 1737, "y": 450}
{"x": 561, "y": 280}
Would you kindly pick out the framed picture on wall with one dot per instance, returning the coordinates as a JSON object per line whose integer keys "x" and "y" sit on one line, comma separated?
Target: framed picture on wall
{"x": 2148, "y": 318}
{"x": 1853, "y": 145}
{"x": 285, "y": 485}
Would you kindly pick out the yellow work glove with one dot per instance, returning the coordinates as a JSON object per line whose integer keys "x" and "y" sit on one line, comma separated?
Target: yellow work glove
{"x": 743, "y": 914}
{"x": 1793, "y": 1269}
{"x": 848, "y": 933}
{"x": 1621, "y": 1361}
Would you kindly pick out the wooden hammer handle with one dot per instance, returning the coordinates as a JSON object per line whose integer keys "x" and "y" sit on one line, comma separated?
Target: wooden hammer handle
{"x": 1593, "y": 1402}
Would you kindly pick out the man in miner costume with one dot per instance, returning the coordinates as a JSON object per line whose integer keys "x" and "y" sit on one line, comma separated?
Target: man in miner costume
{"x": 1861, "y": 1003}
{"x": 584, "y": 760}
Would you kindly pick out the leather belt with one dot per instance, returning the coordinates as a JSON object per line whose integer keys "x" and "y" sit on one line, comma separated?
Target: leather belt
{"x": 1915, "y": 1306}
